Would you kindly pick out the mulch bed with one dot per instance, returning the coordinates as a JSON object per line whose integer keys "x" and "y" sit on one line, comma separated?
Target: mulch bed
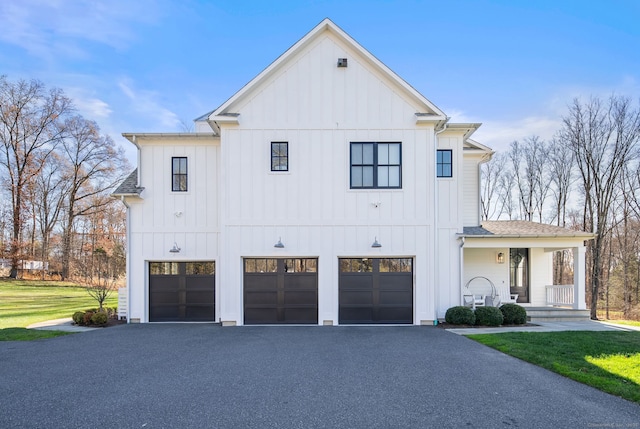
{"x": 445, "y": 325}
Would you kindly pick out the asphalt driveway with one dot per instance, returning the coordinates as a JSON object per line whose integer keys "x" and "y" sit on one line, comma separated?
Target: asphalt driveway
{"x": 205, "y": 376}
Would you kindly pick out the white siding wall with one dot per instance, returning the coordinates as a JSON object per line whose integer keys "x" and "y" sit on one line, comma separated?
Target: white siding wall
{"x": 190, "y": 219}
{"x": 449, "y": 204}
{"x": 471, "y": 191}
{"x": 319, "y": 109}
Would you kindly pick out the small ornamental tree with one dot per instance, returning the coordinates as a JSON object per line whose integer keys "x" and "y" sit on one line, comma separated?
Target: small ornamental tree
{"x": 103, "y": 283}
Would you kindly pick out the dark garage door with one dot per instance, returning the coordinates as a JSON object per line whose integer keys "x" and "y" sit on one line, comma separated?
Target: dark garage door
{"x": 376, "y": 290}
{"x": 181, "y": 291}
{"x": 280, "y": 291}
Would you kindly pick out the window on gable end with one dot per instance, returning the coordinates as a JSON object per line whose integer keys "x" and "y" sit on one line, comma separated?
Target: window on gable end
{"x": 444, "y": 163}
{"x": 279, "y": 156}
{"x": 179, "y": 174}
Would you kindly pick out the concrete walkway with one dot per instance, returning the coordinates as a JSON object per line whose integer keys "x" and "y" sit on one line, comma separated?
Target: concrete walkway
{"x": 65, "y": 324}
{"x": 586, "y": 325}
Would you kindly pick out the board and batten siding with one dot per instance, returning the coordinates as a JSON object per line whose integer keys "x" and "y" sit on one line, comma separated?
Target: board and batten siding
{"x": 311, "y": 92}
{"x": 161, "y": 218}
{"x": 319, "y": 109}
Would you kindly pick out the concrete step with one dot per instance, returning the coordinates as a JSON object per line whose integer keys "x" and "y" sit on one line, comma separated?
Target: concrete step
{"x": 556, "y": 314}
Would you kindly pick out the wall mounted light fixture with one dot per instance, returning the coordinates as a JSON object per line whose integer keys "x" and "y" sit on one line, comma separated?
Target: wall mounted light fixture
{"x": 279, "y": 244}
{"x": 175, "y": 248}
{"x": 500, "y": 257}
{"x": 375, "y": 243}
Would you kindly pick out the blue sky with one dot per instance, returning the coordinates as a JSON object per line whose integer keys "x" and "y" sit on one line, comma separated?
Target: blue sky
{"x": 152, "y": 65}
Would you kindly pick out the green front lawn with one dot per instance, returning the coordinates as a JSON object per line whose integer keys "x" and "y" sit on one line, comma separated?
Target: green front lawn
{"x": 24, "y": 334}
{"x": 23, "y": 302}
{"x": 608, "y": 361}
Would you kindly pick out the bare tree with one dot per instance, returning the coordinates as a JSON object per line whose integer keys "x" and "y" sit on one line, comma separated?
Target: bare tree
{"x": 95, "y": 165}
{"x": 604, "y": 138}
{"x": 492, "y": 171}
{"x": 528, "y": 161}
{"x": 51, "y": 188}
{"x": 29, "y": 132}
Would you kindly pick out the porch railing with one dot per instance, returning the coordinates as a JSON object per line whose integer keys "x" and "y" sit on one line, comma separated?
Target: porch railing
{"x": 560, "y": 295}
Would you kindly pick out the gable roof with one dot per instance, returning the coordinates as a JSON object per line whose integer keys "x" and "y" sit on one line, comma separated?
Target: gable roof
{"x": 225, "y": 113}
{"x": 520, "y": 229}
{"x": 129, "y": 186}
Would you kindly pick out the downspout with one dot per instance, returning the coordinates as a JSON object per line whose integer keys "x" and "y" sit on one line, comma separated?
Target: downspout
{"x": 128, "y": 257}
{"x": 435, "y": 212}
{"x": 461, "y": 264}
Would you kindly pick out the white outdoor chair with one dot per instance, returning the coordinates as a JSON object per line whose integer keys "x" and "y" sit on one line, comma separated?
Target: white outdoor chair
{"x": 505, "y": 296}
{"x": 479, "y": 292}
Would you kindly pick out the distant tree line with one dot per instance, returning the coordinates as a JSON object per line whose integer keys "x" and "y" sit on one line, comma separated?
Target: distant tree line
{"x": 57, "y": 171}
{"x": 585, "y": 178}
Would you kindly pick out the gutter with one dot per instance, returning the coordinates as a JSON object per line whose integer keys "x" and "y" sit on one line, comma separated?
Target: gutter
{"x": 461, "y": 264}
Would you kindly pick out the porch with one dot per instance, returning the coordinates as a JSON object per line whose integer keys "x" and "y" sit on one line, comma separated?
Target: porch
{"x": 517, "y": 257}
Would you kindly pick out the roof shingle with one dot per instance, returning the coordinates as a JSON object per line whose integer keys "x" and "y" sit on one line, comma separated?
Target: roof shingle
{"x": 520, "y": 228}
{"x": 129, "y": 186}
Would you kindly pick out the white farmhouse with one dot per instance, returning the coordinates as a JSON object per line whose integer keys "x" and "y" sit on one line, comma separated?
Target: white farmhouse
{"x": 326, "y": 191}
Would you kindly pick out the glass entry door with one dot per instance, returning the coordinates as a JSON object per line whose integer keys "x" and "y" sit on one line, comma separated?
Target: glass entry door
{"x": 519, "y": 273}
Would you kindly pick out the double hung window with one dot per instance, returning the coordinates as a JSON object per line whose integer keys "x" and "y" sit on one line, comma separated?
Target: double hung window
{"x": 279, "y": 156}
{"x": 444, "y": 163}
{"x": 179, "y": 174}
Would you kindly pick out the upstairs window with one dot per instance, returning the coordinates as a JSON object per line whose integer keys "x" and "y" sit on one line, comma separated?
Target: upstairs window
{"x": 444, "y": 163}
{"x": 279, "y": 156}
{"x": 376, "y": 165}
{"x": 179, "y": 174}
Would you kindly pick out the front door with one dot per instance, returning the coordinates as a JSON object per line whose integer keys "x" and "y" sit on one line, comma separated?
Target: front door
{"x": 519, "y": 273}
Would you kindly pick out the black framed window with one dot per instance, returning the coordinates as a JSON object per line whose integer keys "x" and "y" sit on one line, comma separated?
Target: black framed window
{"x": 279, "y": 156}
{"x": 444, "y": 163}
{"x": 179, "y": 174}
{"x": 376, "y": 165}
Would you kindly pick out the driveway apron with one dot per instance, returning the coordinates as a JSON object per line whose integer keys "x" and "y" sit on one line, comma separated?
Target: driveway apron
{"x": 206, "y": 376}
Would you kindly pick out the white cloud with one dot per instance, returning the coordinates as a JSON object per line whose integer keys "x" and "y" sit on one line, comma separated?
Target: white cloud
{"x": 499, "y": 134}
{"x": 89, "y": 106}
{"x": 53, "y": 28}
{"x": 146, "y": 104}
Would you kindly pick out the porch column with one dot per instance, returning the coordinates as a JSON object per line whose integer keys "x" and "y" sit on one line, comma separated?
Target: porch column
{"x": 579, "y": 275}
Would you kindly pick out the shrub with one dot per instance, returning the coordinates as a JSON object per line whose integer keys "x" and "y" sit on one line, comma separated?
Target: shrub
{"x": 514, "y": 314}
{"x": 489, "y": 316}
{"x": 78, "y": 317}
{"x": 460, "y": 316}
{"x": 87, "y": 317}
{"x": 99, "y": 318}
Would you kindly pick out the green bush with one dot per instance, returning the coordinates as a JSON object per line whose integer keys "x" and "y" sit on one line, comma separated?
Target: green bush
{"x": 78, "y": 317}
{"x": 513, "y": 314}
{"x": 99, "y": 318}
{"x": 489, "y": 316}
{"x": 460, "y": 316}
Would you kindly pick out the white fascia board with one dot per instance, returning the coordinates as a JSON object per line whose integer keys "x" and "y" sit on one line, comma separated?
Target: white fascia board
{"x": 430, "y": 119}
{"x": 225, "y": 119}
